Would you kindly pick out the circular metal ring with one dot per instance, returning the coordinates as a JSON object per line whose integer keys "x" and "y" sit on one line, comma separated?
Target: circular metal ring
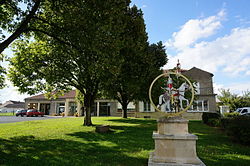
{"x": 168, "y": 74}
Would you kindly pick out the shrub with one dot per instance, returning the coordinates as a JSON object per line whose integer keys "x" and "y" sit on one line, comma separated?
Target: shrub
{"x": 224, "y": 122}
{"x": 238, "y": 128}
{"x": 62, "y": 114}
{"x": 214, "y": 122}
{"x": 76, "y": 114}
{"x": 231, "y": 114}
{"x": 210, "y": 115}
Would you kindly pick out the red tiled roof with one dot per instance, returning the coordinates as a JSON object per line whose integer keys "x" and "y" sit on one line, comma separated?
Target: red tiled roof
{"x": 70, "y": 94}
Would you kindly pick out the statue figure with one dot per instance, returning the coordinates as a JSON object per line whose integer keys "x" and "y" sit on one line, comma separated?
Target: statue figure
{"x": 172, "y": 95}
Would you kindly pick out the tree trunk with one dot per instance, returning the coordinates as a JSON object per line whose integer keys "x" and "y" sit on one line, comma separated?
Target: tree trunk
{"x": 125, "y": 110}
{"x": 87, "y": 117}
{"x": 88, "y": 101}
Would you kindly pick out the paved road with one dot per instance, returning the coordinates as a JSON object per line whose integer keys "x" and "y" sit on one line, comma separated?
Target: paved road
{"x": 12, "y": 119}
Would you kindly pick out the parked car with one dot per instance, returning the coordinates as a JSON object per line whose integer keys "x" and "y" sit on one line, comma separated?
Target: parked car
{"x": 244, "y": 110}
{"x": 21, "y": 112}
{"x": 34, "y": 112}
{"x": 238, "y": 110}
{"x": 247, "y": 114}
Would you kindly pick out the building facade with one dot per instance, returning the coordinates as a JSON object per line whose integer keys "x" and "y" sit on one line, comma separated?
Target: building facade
{"x": 205, "y": 102}
{"x": 204, "y": 96}
{"x": 12, "y": 106}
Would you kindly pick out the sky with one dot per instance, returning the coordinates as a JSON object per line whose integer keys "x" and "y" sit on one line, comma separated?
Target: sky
{"x": 213, "y": 35}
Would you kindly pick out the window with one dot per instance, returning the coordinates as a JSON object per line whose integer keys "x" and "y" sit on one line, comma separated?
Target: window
{"x": 104, "y": 109}
{"x": 32, "y": 105}
{"x": 200, "y": 105}
{"x": 146, "y": 107}
{"x": 130, "y": 107}
{"x": 244, "y": 111}
{"x": 72, "y": 108}
{"x": 205, "y": 105}
{"x": 197, "y": 87}
{"x": 60, "y": 107}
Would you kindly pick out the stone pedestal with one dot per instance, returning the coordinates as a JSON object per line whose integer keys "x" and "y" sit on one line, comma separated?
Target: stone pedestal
{"x": 174, "y": 146}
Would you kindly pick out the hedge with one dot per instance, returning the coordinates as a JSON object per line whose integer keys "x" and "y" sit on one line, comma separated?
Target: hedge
{"x": 238, "y": 128}
{"x": 211, "y": 118}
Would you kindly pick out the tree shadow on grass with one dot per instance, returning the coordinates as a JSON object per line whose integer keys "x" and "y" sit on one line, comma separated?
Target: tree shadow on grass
{"x": 27, "y": 150}
{"x": 216, "y": 149}
{"x": 135, "y": 121}
{"x": 127, "y": 138}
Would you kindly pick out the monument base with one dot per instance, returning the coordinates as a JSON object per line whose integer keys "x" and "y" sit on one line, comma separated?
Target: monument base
{"x": 174, "y": 146}
{"x": 152, "y": 163}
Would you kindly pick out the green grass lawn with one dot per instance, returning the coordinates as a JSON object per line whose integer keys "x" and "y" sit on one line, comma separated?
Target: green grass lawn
{"x": 66, "y": 142}
{"x": 7, "y": 114}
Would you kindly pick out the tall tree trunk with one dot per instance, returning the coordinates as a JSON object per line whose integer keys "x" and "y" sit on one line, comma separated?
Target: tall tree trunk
{"x": 88, "y": 101}
{"x": 124, "y": 110}
{"x": 87, "y": 117}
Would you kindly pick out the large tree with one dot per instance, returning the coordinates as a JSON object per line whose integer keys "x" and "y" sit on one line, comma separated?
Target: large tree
{"x": 139, "y": 64}
{"x": 75, "y": 48}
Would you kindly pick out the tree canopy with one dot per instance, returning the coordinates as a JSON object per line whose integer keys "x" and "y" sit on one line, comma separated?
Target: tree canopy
{"x": 74, "y": 49}
{"x": 232, "y": 100}
{"x": 138, "y": 68}
{"x": 16, "y": 19}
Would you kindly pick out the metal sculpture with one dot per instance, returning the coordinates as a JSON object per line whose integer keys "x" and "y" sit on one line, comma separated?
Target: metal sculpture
{"x": 173, "y": 96}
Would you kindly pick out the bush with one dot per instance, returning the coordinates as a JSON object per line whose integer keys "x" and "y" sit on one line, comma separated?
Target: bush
{"x": 225, "y": 122}
{"x": 76, "y": 114}
{"x": 238, "y": 128}
{"x": 232, "y": 114}
{"x": 214, "y": 122}
{"x": 210, "y": 115}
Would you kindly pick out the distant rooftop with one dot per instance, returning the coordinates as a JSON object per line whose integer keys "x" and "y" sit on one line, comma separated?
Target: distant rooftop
{"x": 12, "y": 104}
{"x": 70, "y": 94}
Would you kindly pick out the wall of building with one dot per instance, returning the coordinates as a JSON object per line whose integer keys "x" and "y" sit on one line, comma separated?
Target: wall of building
{"x": 156, "y": 115}
{"x": 205, "y": 80}
{"x": 11, "y": 110}
{"x": 211, "y": 100}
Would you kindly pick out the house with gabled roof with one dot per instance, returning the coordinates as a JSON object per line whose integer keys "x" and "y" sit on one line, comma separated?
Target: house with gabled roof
{"x": 205, "y": 101}
{"x": 205, "y": 96}
{"x": 67, "y": 104}
{"x": 11, "y": 106}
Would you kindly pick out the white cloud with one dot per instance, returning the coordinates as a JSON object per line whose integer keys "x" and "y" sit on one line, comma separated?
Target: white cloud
{"x": 217, "y": 87}
{"x": 239, "y": 87}
{"x": 11, "y": 93}
{"x": 248, "y": 73}
{"x": 236, "y": 88}
{"x": 230, "y": 53}
{"x": 196, "y": 29}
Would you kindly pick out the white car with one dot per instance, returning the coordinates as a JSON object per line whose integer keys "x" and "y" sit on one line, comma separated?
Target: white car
{"x": 244, "y": 110}
{"x": 238, "y": 110}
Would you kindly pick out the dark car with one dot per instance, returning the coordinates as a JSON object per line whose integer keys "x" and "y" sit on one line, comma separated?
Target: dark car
{"x": 34, "y": 112}
{"x": 21, "y": 112}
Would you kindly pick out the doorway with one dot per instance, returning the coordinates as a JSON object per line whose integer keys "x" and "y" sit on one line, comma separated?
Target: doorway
{"x": 104, "y": 109}
{"x": 44, "y": 107}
